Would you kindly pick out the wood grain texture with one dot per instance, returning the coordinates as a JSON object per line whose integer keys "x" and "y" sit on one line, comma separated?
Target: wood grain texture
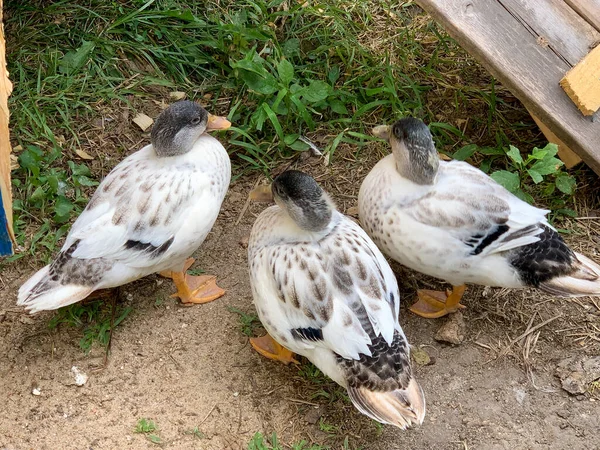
{"x": 554, "y": 24}
{"x": 6, "y": 232}
{"x": 532, "y": 72}
{"x": 582, "y": 83}
{"x": 588, "y": 9}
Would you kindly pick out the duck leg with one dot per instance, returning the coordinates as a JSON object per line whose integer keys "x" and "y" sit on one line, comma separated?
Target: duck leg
{"x": 270, "y": 348}
{"x": 193, "y": 289}
{"x": 434, "y": 304}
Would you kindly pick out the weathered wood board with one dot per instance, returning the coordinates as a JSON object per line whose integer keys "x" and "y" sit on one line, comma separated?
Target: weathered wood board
{"x": 529, "y": 46}
{"x": 6, "y": 233}
{"x": 588, "y": 9}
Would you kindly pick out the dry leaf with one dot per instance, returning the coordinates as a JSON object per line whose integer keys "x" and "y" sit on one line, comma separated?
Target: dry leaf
{"x": 177, "y": 95}
{"x": 83, "y": 155}
{"x": 14, "y": 162}
{"x": 143, "y": 121}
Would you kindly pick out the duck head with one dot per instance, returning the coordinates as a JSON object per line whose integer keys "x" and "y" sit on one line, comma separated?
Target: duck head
{"x": 178, "y": 127}
{"x": 413, "y": 148}
{"x": 299, "y": 195}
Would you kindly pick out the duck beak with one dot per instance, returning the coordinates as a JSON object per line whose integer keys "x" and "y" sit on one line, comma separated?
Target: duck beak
{"x": 382, "y": 132}
{"x": 217, "y": 123}
{"x": 261, "y": 194}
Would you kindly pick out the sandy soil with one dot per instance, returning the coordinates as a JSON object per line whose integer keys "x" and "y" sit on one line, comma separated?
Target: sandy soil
{"x": 192, "y": 367}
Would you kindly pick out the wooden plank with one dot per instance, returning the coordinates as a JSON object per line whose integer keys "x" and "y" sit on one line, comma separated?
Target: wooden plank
{"x": 582, "y": 83}
{"x": 554, "y": 24}
{"x": 7, "y": 237}
{"x": 588, "y": 9}
{"x": 532, "y": 72}
{"x": 566, "y": 155}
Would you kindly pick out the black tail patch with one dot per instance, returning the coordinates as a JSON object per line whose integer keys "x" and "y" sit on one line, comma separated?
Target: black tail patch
{"x": 541, "y": 261}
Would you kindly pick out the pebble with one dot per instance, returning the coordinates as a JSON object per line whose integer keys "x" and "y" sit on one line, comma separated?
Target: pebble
{"x": 453, "y": 330}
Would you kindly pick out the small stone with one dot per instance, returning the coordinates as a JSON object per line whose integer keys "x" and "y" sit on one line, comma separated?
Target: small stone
{"x": 453, "y": 331}
{"x": 577, "y": 372}
{"x": 80, "y": 377}
{"x": 244, "y": 241}
{"x": 313, "y": 415}
{"x": 36, "y": 391}
{"x": 563, "y": 414}
{"x": 26, "y": 320}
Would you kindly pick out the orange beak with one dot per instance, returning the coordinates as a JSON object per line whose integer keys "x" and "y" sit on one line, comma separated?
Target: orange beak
{"x": 217, "y": 123}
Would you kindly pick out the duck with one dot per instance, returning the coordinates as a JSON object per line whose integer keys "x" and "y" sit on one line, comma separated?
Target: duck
{"x": 149, "y": 214}
{"x": 323, "y": 290}
{"x": 450, "y": 220}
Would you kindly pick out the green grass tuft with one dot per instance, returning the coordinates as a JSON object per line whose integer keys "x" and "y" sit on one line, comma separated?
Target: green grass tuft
{"x": 93, "y": 317}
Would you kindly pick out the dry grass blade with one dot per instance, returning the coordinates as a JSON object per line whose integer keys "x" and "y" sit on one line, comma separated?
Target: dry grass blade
{"x": 528, "y": 331}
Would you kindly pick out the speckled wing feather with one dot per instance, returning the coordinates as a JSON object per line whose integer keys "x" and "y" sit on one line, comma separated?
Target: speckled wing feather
{"x": 131, "y": 217}
{"x": 340, "y": 285}
{"x": 475, "y": 209}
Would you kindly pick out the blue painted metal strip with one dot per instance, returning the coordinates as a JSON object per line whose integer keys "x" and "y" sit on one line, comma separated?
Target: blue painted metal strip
{"x": 5, "y": 242}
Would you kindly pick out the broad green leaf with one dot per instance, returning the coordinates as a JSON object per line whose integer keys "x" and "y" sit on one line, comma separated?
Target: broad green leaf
{"x": 299, "y": 146}
{"x": 547, "y": 166}
{"x": 566, "y": 212}
{"x": 566, "y": 184}
{"x": 30, "y": 160}
{"x": 523, "y": 196}
{"x": 291, "y": 47}
{"x": 285, "y": 71}
{"x": 316, "y": 91}
{"x": 334, "y": 74}
{"x": 535, "y": 176}
{"x": 507, "y": 179}
{"x": 252, "y": 72}
{"x": 85, "y": 181}
{"x": 465, "y": 152}
{"x": 550, "y": 149}
{"x": 37, "y": 195}
{"x": 290, "y": 139}
{"x": 62, "y": 209}
{"x": 337, "y": 106}
{"x": 75, "y": 60}
{"x": 514, "y": 154}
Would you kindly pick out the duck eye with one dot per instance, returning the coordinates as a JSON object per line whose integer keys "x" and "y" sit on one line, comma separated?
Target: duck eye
{"x": 195, "y": 120}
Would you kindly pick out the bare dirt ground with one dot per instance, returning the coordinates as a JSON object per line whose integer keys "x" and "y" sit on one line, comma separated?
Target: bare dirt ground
{"x": 193, "y": 369}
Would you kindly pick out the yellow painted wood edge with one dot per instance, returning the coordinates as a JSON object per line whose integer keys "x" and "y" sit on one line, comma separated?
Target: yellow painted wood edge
{"x": 582, "y": 83}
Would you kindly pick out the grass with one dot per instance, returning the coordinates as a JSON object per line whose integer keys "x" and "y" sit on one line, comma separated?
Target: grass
{"x": 149, "y": 428}
{"x": 325, "y": 70}
{"x": 93, "y": 317}
{"x": 248, "y": 322}
{"x": 260, "y": 442}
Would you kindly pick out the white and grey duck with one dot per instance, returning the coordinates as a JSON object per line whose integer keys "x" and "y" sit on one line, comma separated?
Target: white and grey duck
{"x": 450, "y": 220}
{"x": 322, "y": 289}
{"x": 149, "y": 214}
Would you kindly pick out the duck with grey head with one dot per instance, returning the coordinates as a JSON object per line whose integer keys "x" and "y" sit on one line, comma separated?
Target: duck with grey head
{"x": 323, "y": 290}
{"x": 149, "y": 214}
{"x": 450, "y": 220}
